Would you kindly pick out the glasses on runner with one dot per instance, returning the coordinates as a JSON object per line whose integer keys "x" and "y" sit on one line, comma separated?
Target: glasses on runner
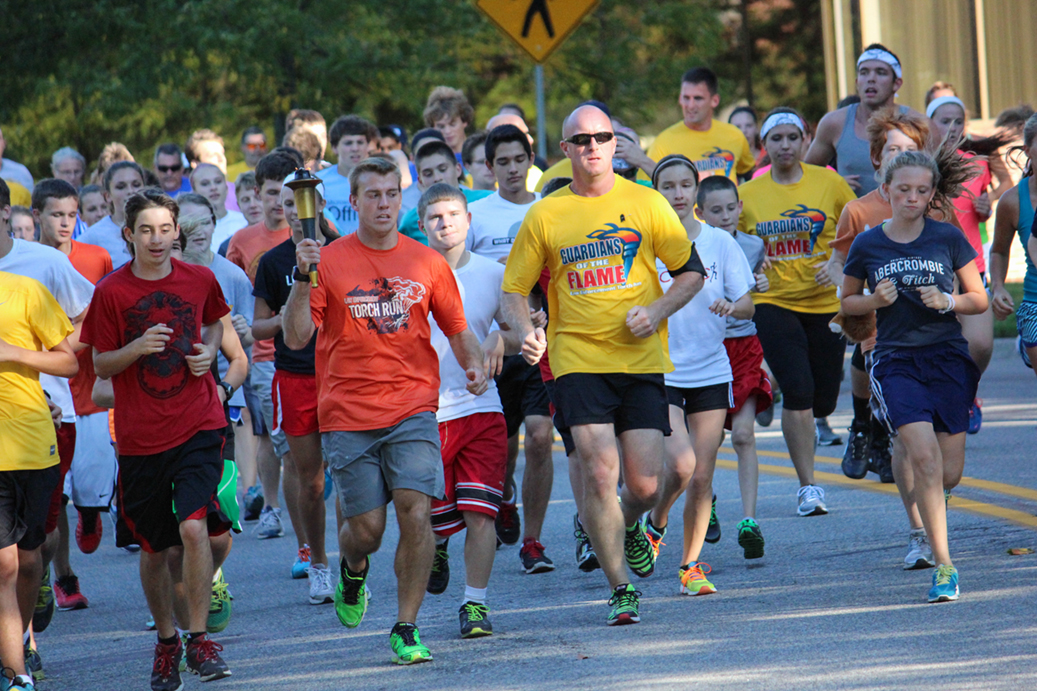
{"x": 169, "y": 169}
{"x": 255, "y": 147}
{"x": 584, "y": 139}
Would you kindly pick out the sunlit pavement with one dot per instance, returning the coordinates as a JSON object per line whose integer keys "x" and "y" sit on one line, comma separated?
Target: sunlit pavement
{"x": 828, "y": 607}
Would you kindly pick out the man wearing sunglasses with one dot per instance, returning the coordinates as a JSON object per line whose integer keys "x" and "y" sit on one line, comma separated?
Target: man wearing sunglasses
{"x": 600, "y": 238}
{"x": 169, "y": 167}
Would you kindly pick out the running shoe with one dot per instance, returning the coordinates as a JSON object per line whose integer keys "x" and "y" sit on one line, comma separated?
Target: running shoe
{"x": 975, "y": 417}
{"x": 351, "y": 597}
{"x": 203, "y": 659}
{"x": 825, "y": 435}
{"x": 765, "y": 417}
{"x": 406, "y": 645}
{"x": 165, "y": 672}
{"x": 533, "y": 558}
{"x": 812, "y": 501}
{"x": 321, "y": 590}
{"x": 750, "y": 538}
{"x": 586, "y": 557}
{"x": 300, "y": 569}
{"x": 882, "y": 458}
{"x": 475, "y": 620}
{"x": 22, "y": 682}
{"x": 693, "y": 579}
{"x": 33, "y": 664}
{"x": 858, "y": 448}
{"x": 253, "y": 503}
{"x": 946, "y": 498}
{"x": 439, "y": 578}
{"x": 329, "y": 484}
{"x": 624, "y": 603}
{"x": 509, "y": 527}
{"x": 88, "y": 531}
{"x": 45, "y": 605}
{"x": 219, "y": 605}
{"x": 1022, "y": 352}
{"x": 713, "y": 529}
{"x": 919, "y": 553}
{"x": 945, "y": 584}
{"x": 150, "y": 623}
{"x": 638, "y": 550}
{"x": 270, "y": 523}
{"x": 66, "y": 592}
{"x": 655, "y": 537}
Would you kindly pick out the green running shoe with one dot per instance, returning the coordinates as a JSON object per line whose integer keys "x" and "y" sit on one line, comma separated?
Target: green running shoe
{"x": 351, "y": 597}
{"x": 624, "y": 603}
{"x": 713, "y": 529}
{"x": 219, "y": 605}
{"x": 750, "y": 538}
{"x": 639, "y": 551}
{"x": 475, "y": 620}
{"x": 45, "y": 604}
{"x": 406, "y": 645}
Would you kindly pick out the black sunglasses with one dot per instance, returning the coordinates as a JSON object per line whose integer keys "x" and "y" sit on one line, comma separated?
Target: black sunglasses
{"x": 169, "y": 169}
{"x": 584, "y": 139}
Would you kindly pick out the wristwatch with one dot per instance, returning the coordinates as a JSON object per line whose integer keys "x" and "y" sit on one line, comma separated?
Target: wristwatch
{"x": 300, "y": 276}
{"x": 227, "y": 389}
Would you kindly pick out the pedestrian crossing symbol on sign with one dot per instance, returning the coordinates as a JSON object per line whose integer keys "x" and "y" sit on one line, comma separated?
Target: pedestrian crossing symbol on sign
{"x": 537, "y": 26}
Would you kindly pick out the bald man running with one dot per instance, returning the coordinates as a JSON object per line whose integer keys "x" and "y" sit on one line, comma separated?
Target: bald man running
{"x": 600, "y": 238}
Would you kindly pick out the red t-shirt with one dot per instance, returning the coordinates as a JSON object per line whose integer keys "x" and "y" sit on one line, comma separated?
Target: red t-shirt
{"x": 94, "y": 263}
{"x": 159, "y": 404}
{"x": 375, "y": 365}
{"x": 246, "y": 248}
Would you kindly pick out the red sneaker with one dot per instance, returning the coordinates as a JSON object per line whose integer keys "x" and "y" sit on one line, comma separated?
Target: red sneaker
{"x": 88, "y": 532}
{"x": 66, "y": 590}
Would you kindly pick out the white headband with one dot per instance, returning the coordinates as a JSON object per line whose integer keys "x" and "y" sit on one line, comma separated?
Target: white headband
{"x": 882, "y": 56}
{"x": 942, "y": 101}
{"x": 780, "y": 119}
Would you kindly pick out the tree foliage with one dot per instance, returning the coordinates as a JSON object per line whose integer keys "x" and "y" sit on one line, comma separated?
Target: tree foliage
{"x": 85, "y": 73}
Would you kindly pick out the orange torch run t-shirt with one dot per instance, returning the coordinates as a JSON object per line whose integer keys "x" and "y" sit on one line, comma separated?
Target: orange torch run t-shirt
{"x": 375, "y": 364}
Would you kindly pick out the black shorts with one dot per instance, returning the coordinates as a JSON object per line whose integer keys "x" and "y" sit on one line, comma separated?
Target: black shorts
{"x": 559, "y": 420}
{"x": 159, "y": 491}
{"x": 522, "y": 392}
{"x": 702, "y": 398}
{"x": 626, "y": 401}
{"x": 857, "y": 359}
{"x": 24, "y": 504}
{"x": 805, "y": 356}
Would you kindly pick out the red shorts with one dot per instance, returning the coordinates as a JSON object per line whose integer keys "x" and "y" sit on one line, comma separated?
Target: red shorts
{"x": 746, "y": 356}
{"x": 475, "y": 453}
{"x": 295, "y": 403}
{"x": 66, "y": 450}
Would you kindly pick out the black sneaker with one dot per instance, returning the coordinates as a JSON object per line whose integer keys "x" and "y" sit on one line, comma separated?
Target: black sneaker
{"x": 475, "y": 620}
{"x": 203, "y": 659}
{"x": 509, "y": 527}
{"x": 638, "y": 550}
{"x": 858, "y": 449}
{"x": 439, "y": 579}
{"x": 165, "y": 672}
{"x": 713, "y": 530}
{"x": 881, "y": 463}
{"x": 533, "y": 558}
{"x": 586, "y": 557}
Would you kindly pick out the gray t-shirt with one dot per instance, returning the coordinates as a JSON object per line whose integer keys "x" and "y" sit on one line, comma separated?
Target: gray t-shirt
{"x": 237, "y": 291}
{"x": 754, "y": 249}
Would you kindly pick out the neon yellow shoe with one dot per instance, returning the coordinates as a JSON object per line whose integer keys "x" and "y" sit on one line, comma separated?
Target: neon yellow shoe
{"x": 693, "y": 580}
{"x": 406, "y": 645}
{"x": 219, "y": 605}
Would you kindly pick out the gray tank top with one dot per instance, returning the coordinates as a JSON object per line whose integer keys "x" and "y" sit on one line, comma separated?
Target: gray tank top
{"x": 853, "y": 154}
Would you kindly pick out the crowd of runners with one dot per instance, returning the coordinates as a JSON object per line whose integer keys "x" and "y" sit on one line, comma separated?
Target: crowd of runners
{"x": 178, "y": 352}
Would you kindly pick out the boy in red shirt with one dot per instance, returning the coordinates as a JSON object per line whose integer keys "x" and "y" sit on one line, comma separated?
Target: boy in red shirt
{"x": 155, "y": 326}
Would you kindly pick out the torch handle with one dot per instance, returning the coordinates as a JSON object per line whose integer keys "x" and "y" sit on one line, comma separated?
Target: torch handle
{"x": 309, "y": 231}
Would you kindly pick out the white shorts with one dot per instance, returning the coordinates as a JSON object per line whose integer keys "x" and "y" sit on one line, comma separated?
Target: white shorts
{"x": 94, "y": 465}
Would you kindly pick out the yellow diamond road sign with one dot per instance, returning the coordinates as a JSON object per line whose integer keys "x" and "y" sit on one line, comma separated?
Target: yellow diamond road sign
{"x": 537, "y": 26}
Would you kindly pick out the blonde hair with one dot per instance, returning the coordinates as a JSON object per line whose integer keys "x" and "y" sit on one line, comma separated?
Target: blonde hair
{"x": 448, "y": 102}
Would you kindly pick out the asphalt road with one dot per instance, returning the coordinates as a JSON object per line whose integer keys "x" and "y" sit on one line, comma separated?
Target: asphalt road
{"x": 828, "y": 607}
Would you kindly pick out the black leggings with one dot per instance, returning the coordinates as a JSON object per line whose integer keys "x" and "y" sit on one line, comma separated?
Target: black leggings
{"x": 804, "y": 355}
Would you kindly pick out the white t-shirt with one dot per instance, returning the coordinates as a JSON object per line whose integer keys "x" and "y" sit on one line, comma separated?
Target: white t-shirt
{"x": 336, "y": 198}
{"x": 72, "y": 291}
{"x": 696, "y": 334}
{"x": 480, "y": 284}
{"x": 237, "y": 291}
{"x": 227, "y": 226}
{"x": 106, "y": 234}
{"x": 495, "y": 221}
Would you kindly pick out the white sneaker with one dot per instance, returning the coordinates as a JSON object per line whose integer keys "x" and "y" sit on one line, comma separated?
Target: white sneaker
{"x": 321, "y": 589}
{"x": 812, "y": 501}
{"x": 269, "y": 523}
{"x": 919, "y": 553}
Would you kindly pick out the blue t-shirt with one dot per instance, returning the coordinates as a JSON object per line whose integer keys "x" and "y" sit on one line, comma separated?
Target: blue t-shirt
{"x": 337, "y": 207}
{"x": 931, "y": 259}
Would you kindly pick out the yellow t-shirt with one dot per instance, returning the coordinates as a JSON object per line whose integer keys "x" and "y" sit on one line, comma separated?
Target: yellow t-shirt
{"x": 721, "y": 150}
{"x": 601, "y": 252}
{"x": 30, "y": 318}
{"x": 19, "y": 195}
{"x": 562, "y": 169}
{"x": 797, "y": 223}
{"x": 237, "y": 169}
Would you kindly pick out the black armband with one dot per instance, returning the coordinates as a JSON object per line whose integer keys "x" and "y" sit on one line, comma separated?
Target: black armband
{"x": 694, "y": 263}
